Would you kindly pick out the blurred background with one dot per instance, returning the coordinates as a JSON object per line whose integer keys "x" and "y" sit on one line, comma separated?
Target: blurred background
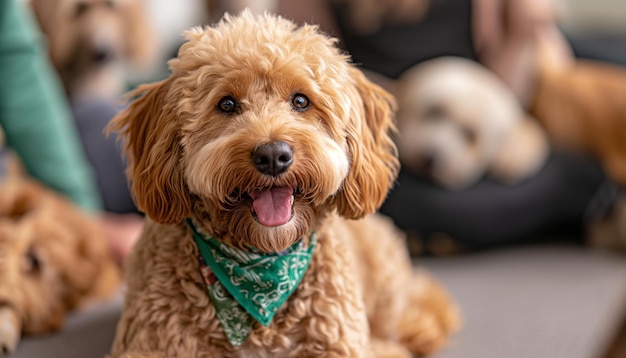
{"x": 596, "y": 29}
{"x": 519, "y": 204}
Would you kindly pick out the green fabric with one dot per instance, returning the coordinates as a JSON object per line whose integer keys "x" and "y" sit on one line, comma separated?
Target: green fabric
{"x": 235, "y": 321}
{"x": 34, "y": 113}
{"x": 257, "y": 282}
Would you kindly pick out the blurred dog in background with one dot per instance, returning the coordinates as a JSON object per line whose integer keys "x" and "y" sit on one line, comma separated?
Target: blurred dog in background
{"x": 92, "y": 43}
{"x": 53, "y": 258}
{"x": 582, "y": 105}
{"x": 458, "y": 122}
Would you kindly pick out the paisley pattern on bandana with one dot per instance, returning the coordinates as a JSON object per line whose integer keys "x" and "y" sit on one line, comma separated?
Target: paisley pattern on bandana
{"x": 247, "y": 285}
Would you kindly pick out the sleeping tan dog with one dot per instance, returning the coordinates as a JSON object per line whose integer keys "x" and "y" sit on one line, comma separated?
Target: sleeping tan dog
{"x": 248, "y": 160}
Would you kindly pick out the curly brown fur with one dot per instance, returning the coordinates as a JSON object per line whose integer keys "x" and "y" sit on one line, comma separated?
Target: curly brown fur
{"x": 53, "y": 259}
{"x": 189, "y": 159}
{"x": 93, "y": 42}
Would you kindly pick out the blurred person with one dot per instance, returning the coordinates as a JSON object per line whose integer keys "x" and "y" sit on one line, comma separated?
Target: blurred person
{"x": 38, "y": 127}
{"x": 388, "y": 37}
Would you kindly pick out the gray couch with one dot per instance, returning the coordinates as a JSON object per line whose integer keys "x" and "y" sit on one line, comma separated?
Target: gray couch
{"x": 535, "y": 302}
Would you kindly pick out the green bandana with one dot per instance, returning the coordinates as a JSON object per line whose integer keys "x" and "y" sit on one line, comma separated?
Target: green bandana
{"x": 257, "y": 282}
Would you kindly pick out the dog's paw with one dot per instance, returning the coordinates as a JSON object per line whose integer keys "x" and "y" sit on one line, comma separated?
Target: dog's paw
{"x": 424, "y": 335}
{"x": 389, "y": 349}
{"x": 430, "y": 317}
{"x": 10, "y": 330}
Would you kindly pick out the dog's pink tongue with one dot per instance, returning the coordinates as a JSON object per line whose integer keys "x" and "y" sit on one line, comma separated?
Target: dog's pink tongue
{"x": 273, "y": 206}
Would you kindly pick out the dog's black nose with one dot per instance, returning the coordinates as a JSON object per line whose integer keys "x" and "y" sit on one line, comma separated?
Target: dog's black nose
{"x": 272, "y": 158}
{"x": 102, "y": 54}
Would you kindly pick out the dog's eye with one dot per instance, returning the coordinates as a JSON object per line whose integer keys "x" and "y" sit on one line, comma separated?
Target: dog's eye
{"x": 300, "y": 102}
{"x": 32, "y": 262}
{"x": 434, "y": 112}
{"x": 227, "y": 105}
{"x": 80, "y": 8}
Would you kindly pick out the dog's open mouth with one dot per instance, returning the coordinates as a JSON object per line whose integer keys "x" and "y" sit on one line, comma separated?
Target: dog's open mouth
{"x": 273, "y": 206}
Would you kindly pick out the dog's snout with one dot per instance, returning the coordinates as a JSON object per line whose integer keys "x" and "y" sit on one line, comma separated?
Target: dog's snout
{"x": 272, "y": 158}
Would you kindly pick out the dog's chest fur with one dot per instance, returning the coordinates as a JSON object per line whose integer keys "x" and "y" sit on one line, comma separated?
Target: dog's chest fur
{"x": 170, "y": 292}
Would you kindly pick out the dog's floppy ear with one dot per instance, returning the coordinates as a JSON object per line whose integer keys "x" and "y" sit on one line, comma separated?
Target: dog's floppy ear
{"x": 374, "y": 161}
{"x": 150, "y": 131}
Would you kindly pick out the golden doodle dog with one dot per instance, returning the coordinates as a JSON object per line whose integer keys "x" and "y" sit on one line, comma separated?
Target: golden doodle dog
{"x": 53, "y": 259}
{"x": 458, "y": 122}
{"x": 93, "y": 43}
{"x": 247, "y": 160}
